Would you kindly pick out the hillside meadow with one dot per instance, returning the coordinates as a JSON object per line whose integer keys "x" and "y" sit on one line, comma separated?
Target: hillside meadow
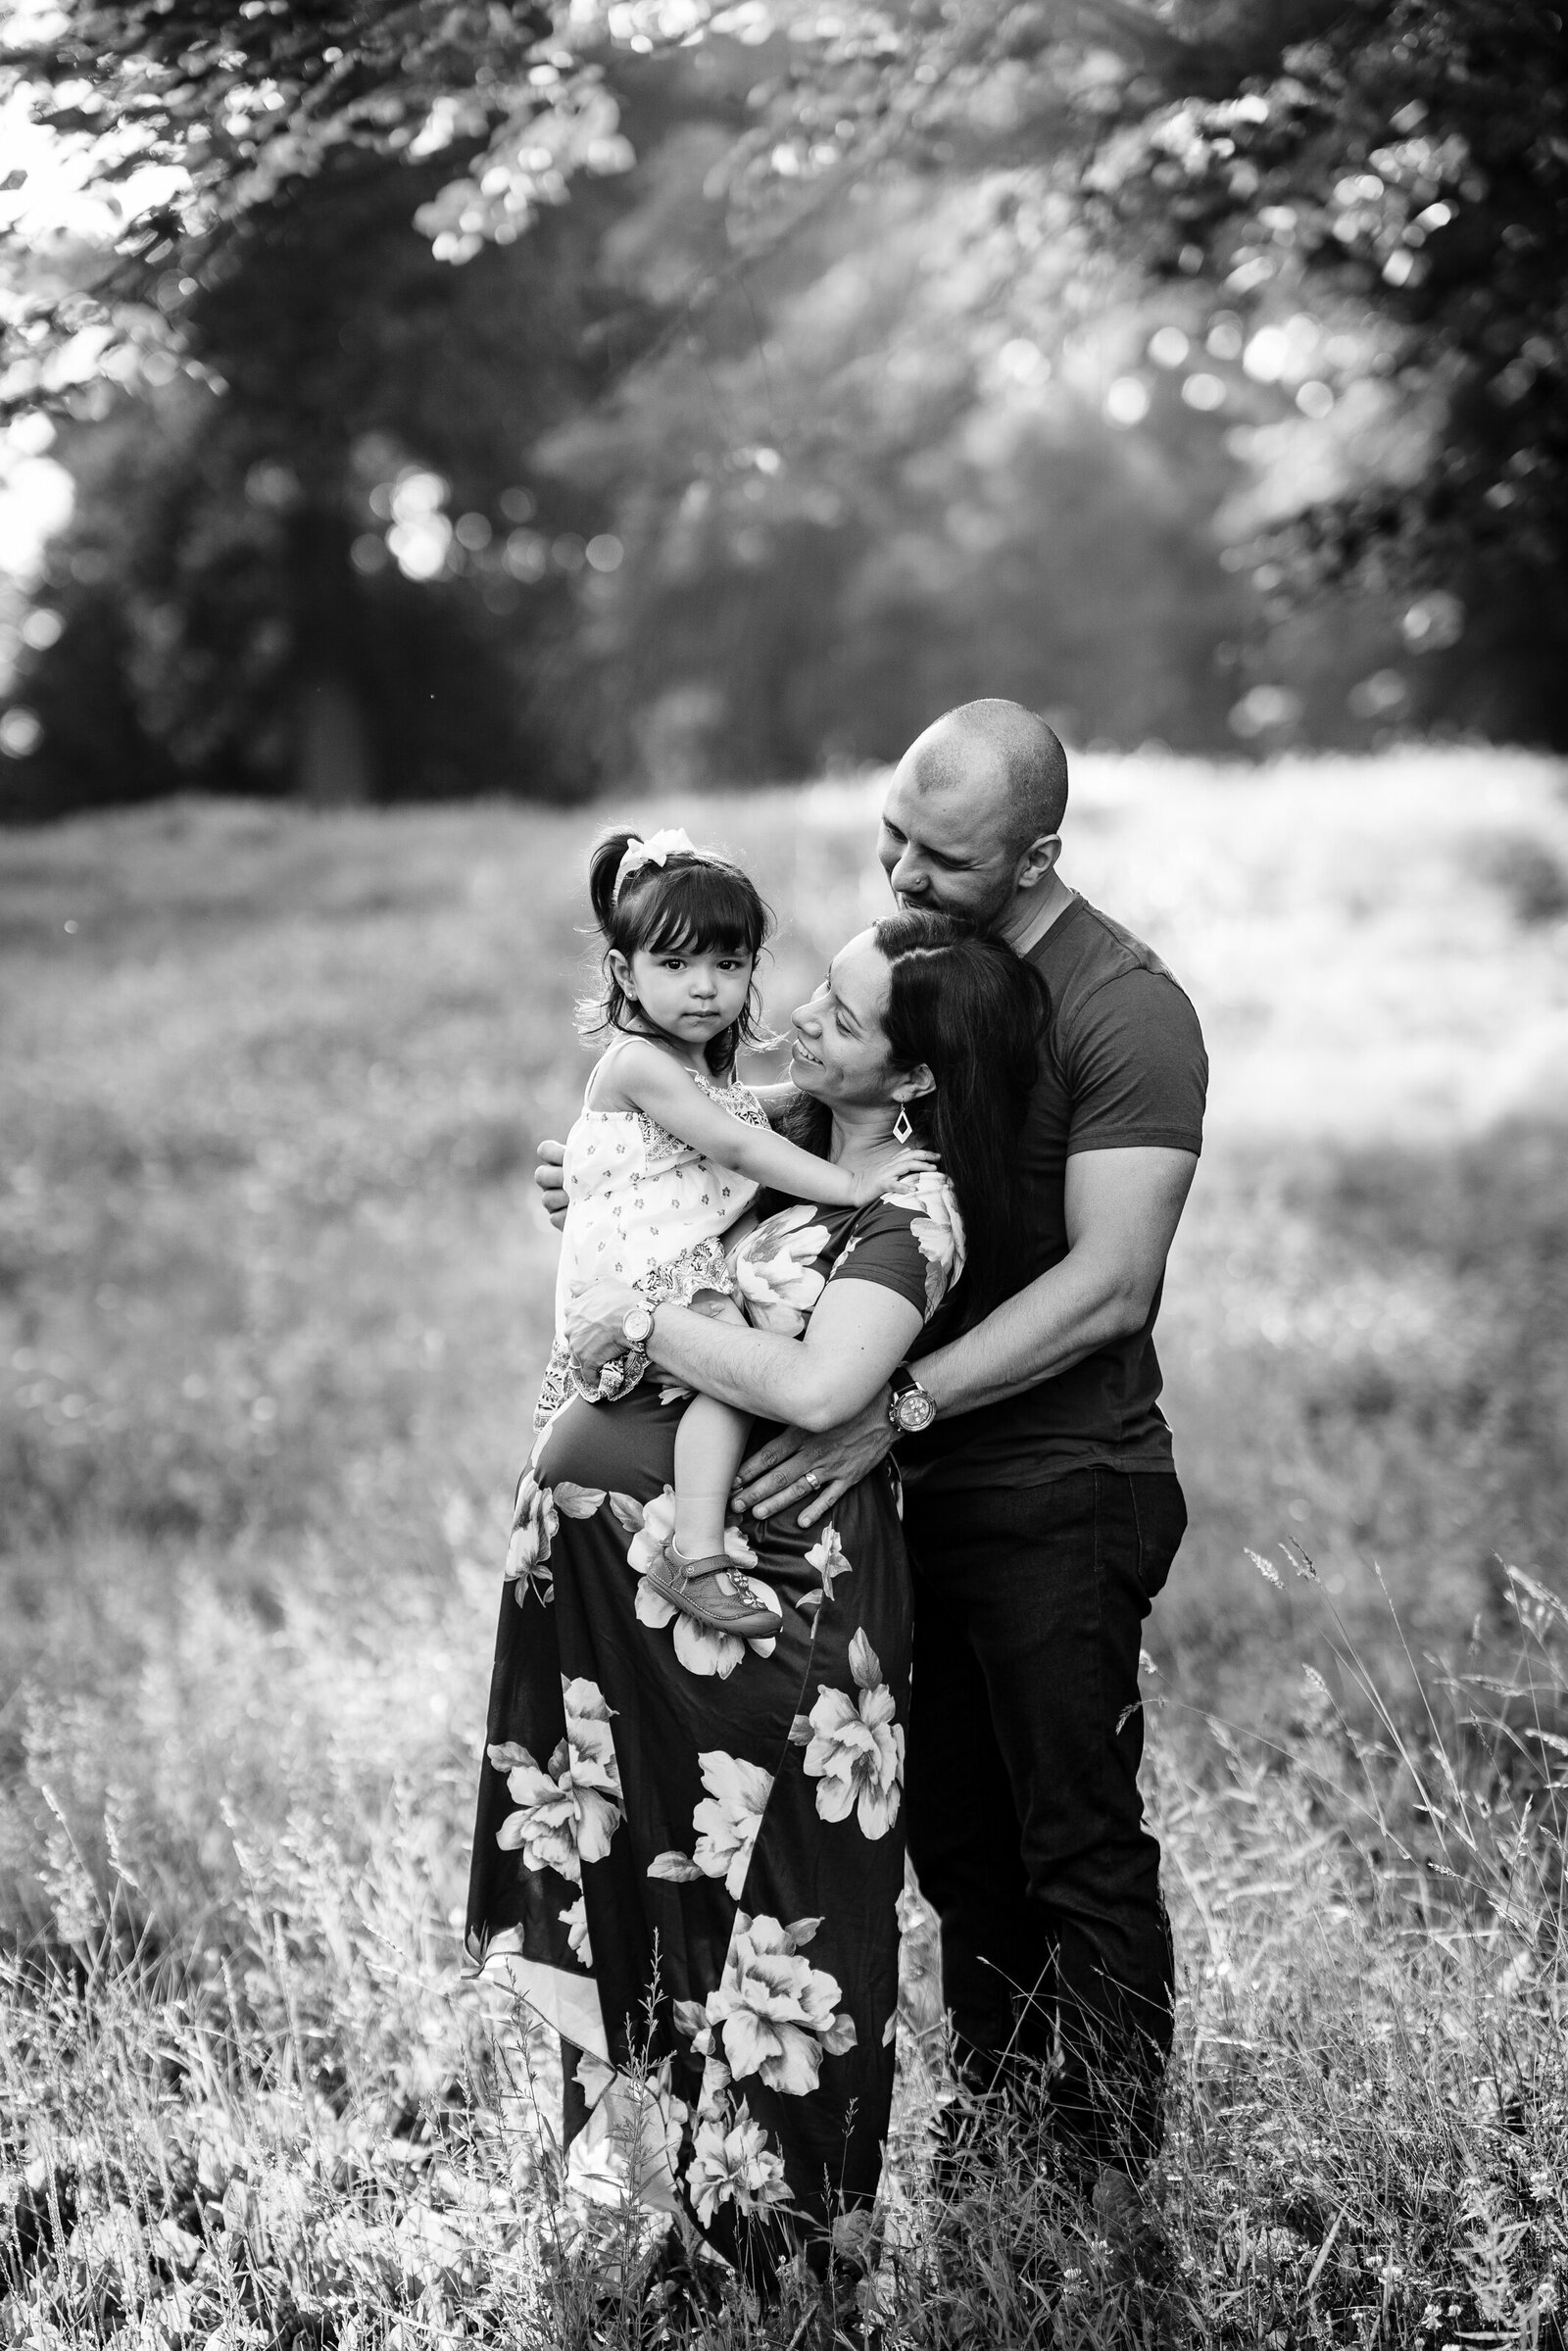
{"x": 273, "y": 1292}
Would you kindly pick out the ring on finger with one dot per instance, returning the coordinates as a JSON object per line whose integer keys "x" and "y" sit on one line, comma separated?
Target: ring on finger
{"x": 813, "y": 1481}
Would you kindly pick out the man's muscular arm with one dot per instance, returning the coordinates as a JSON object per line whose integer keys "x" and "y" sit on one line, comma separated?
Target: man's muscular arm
{"x": 1122, "y": 1208}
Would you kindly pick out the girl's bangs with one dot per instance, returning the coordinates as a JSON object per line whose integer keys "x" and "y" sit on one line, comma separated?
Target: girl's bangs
{"x": 699, "y": 908}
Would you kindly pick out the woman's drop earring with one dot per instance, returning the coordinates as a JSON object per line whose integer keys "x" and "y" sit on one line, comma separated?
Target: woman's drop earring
{"x": 901, "y": 1129}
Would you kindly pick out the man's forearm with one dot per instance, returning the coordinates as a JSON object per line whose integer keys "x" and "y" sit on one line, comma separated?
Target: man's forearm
{"x": 1043, "y": 1330}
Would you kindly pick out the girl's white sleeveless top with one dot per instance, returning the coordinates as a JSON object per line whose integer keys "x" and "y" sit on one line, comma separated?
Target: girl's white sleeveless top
{"x": 639, "y": 1197}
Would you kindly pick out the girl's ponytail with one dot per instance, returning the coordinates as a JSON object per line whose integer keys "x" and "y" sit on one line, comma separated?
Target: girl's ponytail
{"x": 604, "y": 864}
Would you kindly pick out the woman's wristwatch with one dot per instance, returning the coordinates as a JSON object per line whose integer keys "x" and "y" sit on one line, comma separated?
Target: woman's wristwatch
{"x": 621, "y": 1372}
{"x": 911, "y": 1407}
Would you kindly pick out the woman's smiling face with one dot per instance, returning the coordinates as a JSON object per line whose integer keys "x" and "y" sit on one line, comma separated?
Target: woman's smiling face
{"x": 840, "y": 1049}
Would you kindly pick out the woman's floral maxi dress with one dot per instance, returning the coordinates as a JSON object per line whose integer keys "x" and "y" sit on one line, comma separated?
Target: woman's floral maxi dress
{"x": 688, "y": 1848}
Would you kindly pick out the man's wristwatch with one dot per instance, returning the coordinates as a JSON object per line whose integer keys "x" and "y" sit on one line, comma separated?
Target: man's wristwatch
{"x": 909, "y": 1407}
{"x": 637, "y": 1325}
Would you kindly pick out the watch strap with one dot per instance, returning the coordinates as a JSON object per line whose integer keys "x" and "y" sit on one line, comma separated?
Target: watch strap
{"x": 901, "y": 1383}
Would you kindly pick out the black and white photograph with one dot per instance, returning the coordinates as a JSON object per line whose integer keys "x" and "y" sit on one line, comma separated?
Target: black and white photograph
{"x": 783, "y": 1175}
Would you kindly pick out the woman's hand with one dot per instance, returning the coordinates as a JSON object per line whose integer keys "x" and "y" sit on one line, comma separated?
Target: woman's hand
{"x": 595, "y": 1319}
{"x": 782, "y": 1471}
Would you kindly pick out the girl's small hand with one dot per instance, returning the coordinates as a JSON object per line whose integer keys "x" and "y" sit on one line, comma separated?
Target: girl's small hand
{"x": 868, "y": 1188}
{"x": 594, "y": 1320}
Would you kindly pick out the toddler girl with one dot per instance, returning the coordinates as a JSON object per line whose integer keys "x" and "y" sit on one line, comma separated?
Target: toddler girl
{"x": 669, "y": 1153}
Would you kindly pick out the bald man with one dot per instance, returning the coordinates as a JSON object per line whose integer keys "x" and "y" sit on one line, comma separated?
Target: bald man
{"x": 1041, "y": 1507}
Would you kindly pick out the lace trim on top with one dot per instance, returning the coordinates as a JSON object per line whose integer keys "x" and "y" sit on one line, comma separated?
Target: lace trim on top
{"x": 662, "y": 1146}
{"x": 704, "y": 1267}
{"x": 658, "y": 1143}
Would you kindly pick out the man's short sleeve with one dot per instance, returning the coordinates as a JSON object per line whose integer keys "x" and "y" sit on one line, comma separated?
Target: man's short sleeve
{"x": 1137, "y": 1073}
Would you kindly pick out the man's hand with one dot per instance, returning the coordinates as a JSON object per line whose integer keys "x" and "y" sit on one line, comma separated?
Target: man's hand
{"x": 595, "y": 1319}
{"x": 547, "y": 1175}
{"x": 776, "y": 1475}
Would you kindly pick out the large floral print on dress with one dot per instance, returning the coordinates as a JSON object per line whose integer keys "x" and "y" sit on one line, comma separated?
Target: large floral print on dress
{"x": 733, "y": 2160}
{"x": 729, "y": 1817}
{"x": 536, "y": 1516}
{"x": 726, "y": 1821}
{"x": 827, "y": 1555}
{"x": 776, "y": 1272}
{"x": 854, "y": 1748}
{"x": 567, "y": 1811}
{"x": 937, "y": 1226}
{"x": 775, "y": 2015}
{"x": 575, "y": 1922}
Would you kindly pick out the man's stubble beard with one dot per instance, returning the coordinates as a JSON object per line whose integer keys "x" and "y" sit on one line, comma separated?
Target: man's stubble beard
{"x": 986, "y": 918}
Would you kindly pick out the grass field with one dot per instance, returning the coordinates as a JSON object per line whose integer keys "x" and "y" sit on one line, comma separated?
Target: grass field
{"x": 272, "y": 1293}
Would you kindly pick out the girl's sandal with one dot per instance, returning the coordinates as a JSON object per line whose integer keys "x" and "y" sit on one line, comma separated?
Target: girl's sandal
{"x": 693, "y": 1587}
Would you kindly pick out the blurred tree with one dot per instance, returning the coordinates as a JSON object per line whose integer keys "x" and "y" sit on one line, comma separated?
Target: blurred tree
{"x": 878, "y": 487}
{"x": 1361, "y": 211}
{"x": 228, "y": 608}
{"x": 181, "y": 116}
{"x": 259, "y": 628}
{"x": 1385, "y": 206}
{"x": 1345, "y": 216}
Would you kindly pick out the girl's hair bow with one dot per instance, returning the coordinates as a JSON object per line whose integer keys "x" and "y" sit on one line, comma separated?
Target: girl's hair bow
{"x": 655, "y": 851}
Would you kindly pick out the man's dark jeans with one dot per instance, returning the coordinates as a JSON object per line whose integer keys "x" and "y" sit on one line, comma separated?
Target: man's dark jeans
{"x": 1026, "y": 1826}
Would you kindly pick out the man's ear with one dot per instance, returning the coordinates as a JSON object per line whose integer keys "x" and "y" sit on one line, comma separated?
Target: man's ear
{"x": 914, "y": 1083}
{"x": 1037, "y": 860}
{"x": 620, "y": 974}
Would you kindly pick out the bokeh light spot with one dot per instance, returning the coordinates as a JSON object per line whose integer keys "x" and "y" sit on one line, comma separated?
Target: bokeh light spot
{"x": 1127, "y": 401}
{"x": 21, "y": 732}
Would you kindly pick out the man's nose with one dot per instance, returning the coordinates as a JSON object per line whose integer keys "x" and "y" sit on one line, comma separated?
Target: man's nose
{"x": 906, "y": 875}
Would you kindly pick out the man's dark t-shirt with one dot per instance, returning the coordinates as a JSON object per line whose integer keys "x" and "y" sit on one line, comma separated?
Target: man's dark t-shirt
{"x": 1124, "y": 1068}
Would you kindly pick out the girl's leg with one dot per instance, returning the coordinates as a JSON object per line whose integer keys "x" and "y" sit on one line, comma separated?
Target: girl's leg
{"x": 710, "y": 1445}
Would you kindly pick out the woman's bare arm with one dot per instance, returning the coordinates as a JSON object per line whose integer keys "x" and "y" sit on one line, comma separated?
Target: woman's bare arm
{"x": 859, "y": 1333}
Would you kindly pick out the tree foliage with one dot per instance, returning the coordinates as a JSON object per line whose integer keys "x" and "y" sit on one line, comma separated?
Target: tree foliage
{"x": 227, "y": 571}
{"x": 928, "y": 344}
{"x": 1369, "y": 202}
{"x": 1407, "y": 166}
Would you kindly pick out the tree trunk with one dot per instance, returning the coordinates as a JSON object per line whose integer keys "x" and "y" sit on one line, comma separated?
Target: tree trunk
{"x": 336, "y": 757}
{"x": 334, "y": 763}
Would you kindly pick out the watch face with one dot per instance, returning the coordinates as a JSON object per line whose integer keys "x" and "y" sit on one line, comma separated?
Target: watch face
{"x": 916, "y": 1411}
{"x": 637, "y": 1326}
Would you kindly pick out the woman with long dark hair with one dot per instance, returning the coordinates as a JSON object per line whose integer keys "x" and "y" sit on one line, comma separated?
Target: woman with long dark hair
{"x": 689, "y": 1845}
{"x": 956, "y": 1007}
